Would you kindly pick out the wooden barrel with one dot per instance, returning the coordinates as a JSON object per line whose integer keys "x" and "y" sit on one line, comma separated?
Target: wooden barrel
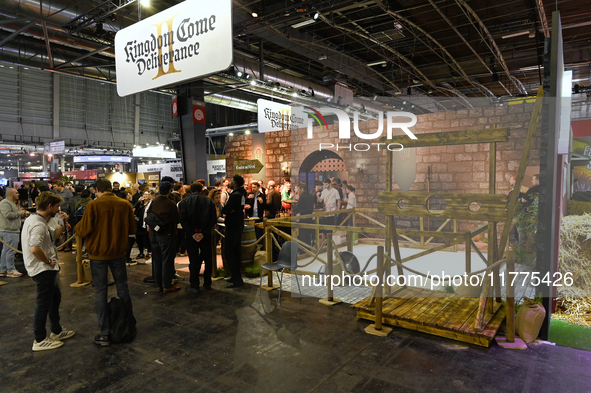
{"x": 248, "y": 247}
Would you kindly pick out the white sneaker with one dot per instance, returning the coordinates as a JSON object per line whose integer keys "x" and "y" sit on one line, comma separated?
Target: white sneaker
{"x": 62, "y": 336}
{"x": 14, "y": 273}
{"x": 46, "y": 344}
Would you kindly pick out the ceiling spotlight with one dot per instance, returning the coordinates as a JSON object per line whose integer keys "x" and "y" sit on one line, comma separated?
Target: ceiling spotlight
{"x": 246, "y": 76}
{"x": 231, "y": 134}
{"x": 253, "y": 83}
{"x": 254, "y": 14}
{"x": 316, "y": 15}
{"x": 145, "y": 3}
{"x": 295, "y": 94}
{"x": 247, "y": 132}
{"x": 239, "y": 74}
{"x": 322, "y": 57}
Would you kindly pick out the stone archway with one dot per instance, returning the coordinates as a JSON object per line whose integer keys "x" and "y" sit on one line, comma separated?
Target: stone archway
{"x": 319, "y": 165}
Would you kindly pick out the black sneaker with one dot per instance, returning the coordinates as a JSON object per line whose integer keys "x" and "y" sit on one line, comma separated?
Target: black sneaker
{"x": 101, "y": 340}
{"x": 192, "y": 291}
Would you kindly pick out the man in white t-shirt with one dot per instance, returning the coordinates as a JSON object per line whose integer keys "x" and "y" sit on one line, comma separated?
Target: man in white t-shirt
{"x": 40, "y": 257}
{"x": 331, "y": 198}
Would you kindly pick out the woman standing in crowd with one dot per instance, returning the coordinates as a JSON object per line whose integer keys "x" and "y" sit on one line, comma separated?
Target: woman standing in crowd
{"x": 142, "y": 233}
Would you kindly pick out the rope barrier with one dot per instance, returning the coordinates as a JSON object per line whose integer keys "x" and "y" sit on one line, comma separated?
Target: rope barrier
{"x": 60, "y": 248}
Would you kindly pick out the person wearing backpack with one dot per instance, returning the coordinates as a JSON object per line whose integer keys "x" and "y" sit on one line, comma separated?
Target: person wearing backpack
{"x": 162, "y": 219}
{"x": 106, "y": 224}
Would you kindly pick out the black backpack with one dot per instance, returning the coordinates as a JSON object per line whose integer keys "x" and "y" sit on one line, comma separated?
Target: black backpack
{"x": 79, "y": 213}
{"x": 121, "y": 322}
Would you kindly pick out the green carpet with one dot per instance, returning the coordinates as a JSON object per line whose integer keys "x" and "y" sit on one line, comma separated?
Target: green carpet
{"x": 570, "y": 335}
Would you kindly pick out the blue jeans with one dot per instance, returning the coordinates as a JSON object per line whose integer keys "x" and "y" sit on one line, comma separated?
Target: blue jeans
{"x": 7, "y": 257}
{"x": 163, "y": 254}
{"x": 99, "y": 277}
{"x": 47, "y": 303}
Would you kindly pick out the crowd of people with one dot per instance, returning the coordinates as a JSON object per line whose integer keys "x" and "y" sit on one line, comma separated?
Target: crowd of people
{"x": 174, "y": 220}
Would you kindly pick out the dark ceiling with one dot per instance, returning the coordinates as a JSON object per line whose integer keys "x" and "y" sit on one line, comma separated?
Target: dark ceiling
{"x": 451, "y": 48}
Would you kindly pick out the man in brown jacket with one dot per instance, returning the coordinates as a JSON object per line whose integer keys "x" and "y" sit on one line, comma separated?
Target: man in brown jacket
{"x": 106, "y": 224}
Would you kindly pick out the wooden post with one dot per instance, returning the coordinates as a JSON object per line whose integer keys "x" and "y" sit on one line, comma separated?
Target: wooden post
{"x": 376, "y": 328}
{"x": 468, "y": 252}
{"x": 388, "y": 245}
{"x": 317, "y": 233}
{"x": 509, "y": 341}
{"x": 529, "y": 140}
{"x": 492, "y": 255}
{"x": 510, "y": 299}
{"x": 455, "y": 231}
{"x": 82, "y": 279}
{"x": 396, "y": 247}
{"x": 269, "y": 247}
{"x": 379, "y": 290}
{"x": 329, "y": 266}
{"x": 330, "y": 300}
{"x": 350, "y": 241}
{"x": 422, "y": 228}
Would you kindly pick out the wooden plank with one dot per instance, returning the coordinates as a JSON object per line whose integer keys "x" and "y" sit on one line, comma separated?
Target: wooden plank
{"x": 457, "y": 303}
{"x": 428, "y": 313}
{"x": 495, "y": 323}
{"x": 487, "y": 135}
{"x": 496, "y": 214}
{"x": 457, "y": 319}
{"x": 436, "y": 331}
{"x": 402, "y": 310}
{"x": 419, "y": 309}
{"x": 432, "y": 250}
{"x": 420, "y": 198}
{"x": 446, "y": 235}
{"x": 529, "y": 141}
{"x": 469, "y": 326}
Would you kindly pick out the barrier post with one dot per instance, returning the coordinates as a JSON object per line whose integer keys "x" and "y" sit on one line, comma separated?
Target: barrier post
{"x": 82, "y": 281}
{"x": 269, "y": 249}
{"x": 376, "y": 328}
{"x": 330, "y": 299}
{"x": 510, "y": 342}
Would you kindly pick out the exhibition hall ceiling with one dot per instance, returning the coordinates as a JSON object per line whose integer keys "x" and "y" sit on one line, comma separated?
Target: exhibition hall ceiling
{"x": 381, "y": 48}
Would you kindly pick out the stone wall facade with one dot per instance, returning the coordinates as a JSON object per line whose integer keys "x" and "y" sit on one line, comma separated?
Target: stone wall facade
{"x": 454, "y": 169}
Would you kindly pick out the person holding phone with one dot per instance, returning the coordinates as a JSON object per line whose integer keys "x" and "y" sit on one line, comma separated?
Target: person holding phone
{"x": 40, "y": 257}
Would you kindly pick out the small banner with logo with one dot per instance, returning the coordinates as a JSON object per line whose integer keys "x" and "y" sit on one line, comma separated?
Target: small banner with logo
{"x": 175, "y": 107}
{"x": 198, "y": 114}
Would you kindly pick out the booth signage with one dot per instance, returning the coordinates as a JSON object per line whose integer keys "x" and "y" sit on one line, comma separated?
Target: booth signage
{"x": 100, "y": 159}
{"x": 157, "y": 151}
{"x": 55, "y": 146}
{"x": 244, "y": 167}
{"x": 187, "y": 41}
{"x": 273, "y": 116}
{"x": 172, "y": 169}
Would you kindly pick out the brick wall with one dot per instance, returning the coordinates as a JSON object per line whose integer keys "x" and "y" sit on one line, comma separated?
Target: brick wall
{"x": 454, "y": 169}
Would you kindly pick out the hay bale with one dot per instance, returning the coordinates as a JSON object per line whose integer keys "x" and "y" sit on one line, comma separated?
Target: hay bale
{"x": 575, "y": 253}
{"x": 573, "y": 309}
{"x": 578, "y": 208}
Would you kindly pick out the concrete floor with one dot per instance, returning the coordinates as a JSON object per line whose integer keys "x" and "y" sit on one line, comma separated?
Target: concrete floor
{"x": 231, "y": 340}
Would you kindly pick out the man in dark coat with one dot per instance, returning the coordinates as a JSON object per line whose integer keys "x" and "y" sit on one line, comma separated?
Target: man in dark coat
{"x": 198, "y": 217}
{"x": 234, "y": 212}
{"x": 305, "y": 206}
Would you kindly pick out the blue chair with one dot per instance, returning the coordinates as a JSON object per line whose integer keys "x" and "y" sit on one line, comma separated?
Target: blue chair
{"x": 287, "y": 259}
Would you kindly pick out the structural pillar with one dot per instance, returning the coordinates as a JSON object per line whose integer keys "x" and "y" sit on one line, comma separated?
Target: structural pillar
{"x": 193, "y": 139}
